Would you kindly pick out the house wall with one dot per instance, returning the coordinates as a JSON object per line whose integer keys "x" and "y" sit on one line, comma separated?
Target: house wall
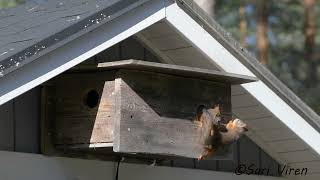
{"x": 20, "y": 118}
{"x": 38, "y": 167}
{"x": 19, "y": 123}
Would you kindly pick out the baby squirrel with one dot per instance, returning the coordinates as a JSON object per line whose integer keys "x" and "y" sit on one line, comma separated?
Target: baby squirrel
{"x": 214, "y": 134}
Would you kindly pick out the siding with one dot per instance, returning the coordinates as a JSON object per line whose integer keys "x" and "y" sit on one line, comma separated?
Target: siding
{"x": 19, "y": 121}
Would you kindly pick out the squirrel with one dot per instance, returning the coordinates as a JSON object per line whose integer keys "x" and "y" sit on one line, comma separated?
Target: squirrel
{"x": 214, "y": 134}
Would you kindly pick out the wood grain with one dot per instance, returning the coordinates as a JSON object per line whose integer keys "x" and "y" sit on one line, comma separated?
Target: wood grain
{"x": 75, "y": 122}
{"x": 157, "y": 111}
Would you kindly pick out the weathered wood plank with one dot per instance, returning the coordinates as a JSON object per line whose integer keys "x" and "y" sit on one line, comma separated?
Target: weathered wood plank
{"x": 156, "y": 112}
{"x": 84, "y": 108}
{"x": 182, "y": 71}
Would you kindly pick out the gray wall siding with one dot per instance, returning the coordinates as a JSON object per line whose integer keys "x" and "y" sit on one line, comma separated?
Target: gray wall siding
{"x": 6, "y": 127}
{"x": 27, "y": 120}
{"x": 19, "y": 123}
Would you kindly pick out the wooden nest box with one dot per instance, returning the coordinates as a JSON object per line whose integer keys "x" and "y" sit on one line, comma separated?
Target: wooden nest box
{"x": 134, "y": 107}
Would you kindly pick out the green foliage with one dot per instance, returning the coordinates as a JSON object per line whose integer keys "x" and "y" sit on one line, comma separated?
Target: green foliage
{"x": 286, "y": 41}
{"x": 9, "y": 3}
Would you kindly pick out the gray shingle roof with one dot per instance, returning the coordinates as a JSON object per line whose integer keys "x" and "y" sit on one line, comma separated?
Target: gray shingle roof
{"x": 32, "y": 29}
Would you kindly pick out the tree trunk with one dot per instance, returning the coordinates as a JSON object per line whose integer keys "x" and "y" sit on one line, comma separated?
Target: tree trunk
{"x": 242, "y": 24}
{"x": 262, "y": 28}
{"x": 309, "y": 33}
{"x": 207, "y": 6}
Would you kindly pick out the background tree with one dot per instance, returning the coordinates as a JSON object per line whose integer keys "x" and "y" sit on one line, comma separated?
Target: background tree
{"x": 286, "y": 25}
{"x": 262, "y": 28}
{"x": 242, "y": 23}
{"x": 207, "y": 6}
{"x": 9, "y": 3}
{"x": 309, "y": 33}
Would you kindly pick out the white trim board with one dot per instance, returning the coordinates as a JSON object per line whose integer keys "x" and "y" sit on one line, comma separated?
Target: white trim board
{"x": 80, "y": 49}
{"x": 17, "y": 166}
{"x": 202, "y": 40}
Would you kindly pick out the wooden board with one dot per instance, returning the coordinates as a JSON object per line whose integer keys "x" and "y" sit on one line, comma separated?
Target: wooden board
{"x": 75, "y": 122}
{"x": 155, "y": 112}
{"x": 184, "y": 71}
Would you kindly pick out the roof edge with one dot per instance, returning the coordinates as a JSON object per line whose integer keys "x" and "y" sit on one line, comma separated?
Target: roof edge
{"x": 35, "y": 51}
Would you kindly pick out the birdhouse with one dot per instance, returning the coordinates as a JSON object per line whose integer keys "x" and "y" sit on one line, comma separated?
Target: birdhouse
{"x": 135, "y": 107}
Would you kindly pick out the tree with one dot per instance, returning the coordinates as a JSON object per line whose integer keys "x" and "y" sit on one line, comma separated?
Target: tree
{"x": 242, "y": 24}
{"x": 262, "y": 28}
{"x": 207, "y": 6}
{"x": 292, "y": 37}
{"x": 310, "y": 33}
{"x": 9, "y": 3}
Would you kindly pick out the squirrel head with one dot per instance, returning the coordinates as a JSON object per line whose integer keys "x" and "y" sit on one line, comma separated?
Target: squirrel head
{"x": 238, "y": 125}
{"x": 235, "y": 128}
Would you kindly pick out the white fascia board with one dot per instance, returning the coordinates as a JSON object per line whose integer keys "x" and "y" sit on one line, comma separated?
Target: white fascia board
{"x": 209, "y": 46}
{"x": 80, "y": 49}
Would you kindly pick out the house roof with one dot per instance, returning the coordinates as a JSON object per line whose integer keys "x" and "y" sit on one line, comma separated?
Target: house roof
{"x": 80, "y": 39}
{"x": 32, "y": 29}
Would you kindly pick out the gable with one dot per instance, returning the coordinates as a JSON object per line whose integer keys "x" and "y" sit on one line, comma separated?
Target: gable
{"x": 193, "y": 42}
{"x": 269, "y": 107}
